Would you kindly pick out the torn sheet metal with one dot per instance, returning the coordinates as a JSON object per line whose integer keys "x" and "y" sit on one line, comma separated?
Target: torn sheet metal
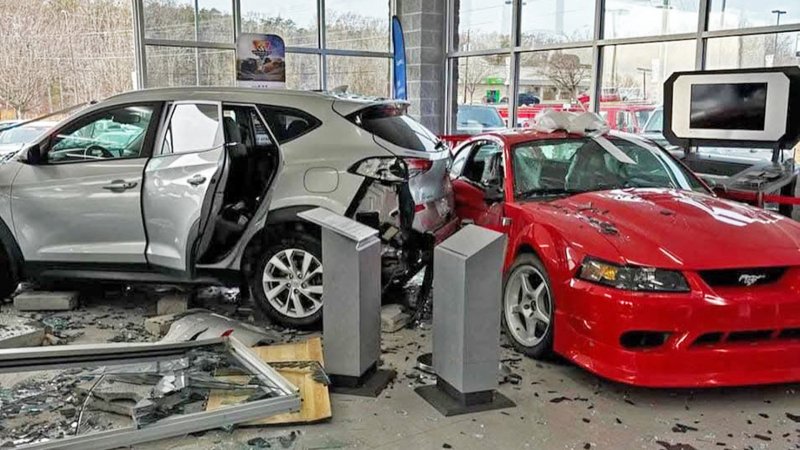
{"x": 207, "y": 325}
{"x": 161, "y": 387}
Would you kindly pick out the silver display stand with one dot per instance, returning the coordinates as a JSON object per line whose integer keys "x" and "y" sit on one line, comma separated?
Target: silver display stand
{"x": 467, "y": 290}
{"x": 351, "y": 318}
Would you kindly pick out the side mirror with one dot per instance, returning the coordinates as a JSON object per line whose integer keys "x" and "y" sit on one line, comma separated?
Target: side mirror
{"x": 34, "y": 155}
{"x": 493, "y": 193}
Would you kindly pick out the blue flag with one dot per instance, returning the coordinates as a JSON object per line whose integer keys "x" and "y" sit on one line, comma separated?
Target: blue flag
{"x": 399, "y": 60}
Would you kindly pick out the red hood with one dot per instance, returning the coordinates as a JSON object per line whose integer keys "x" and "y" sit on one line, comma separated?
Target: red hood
{"x": 678, "y": 229}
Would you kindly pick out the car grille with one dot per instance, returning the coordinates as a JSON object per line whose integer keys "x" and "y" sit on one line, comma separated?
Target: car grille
{"x": 742, "y": 277}
{"x": 716, "y": 338}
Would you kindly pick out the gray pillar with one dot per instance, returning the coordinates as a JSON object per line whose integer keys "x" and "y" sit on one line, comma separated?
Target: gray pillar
{"x": 423, "y": 25}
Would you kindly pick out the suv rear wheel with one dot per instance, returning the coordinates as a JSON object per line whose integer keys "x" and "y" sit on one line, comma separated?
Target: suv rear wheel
{"x": 287, "y": 280}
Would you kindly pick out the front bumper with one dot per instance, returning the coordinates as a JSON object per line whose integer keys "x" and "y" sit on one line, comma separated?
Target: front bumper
{"x": 720, "y": 337}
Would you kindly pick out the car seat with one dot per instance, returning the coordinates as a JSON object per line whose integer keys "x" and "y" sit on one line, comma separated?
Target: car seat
{"x": 589, "y": 170}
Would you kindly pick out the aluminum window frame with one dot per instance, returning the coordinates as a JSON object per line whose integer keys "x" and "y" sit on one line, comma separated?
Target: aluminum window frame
{"x": 700, "y": 35}
{"x": 141, "y": 41}
{"x": 287, "y": 397}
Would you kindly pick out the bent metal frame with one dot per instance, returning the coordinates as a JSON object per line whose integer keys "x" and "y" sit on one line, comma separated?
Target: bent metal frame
{"x": 287, "y": 398}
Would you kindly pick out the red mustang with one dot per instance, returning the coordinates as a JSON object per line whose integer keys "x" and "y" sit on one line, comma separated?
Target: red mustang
{"x": 622, "y": 260}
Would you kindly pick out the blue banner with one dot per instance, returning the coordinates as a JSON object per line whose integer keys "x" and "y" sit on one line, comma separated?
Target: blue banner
{"x": 399, "y": 44}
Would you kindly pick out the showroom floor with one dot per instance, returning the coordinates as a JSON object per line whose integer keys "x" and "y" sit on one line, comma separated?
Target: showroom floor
{"x": 559, "y": 406}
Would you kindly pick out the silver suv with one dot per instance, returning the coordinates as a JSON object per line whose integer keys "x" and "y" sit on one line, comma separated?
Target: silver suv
{"x": 203, "y": 186}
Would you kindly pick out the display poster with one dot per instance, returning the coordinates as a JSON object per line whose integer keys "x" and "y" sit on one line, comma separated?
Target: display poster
{"x": 260, "y": 61}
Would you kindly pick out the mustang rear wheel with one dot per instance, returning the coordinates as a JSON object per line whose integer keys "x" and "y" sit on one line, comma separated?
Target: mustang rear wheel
{"x": 528, "y": 307}
{"x": 287, "y": 283}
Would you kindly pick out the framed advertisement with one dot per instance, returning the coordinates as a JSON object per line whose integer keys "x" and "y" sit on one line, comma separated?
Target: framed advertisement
{"x": 260, "y": 61}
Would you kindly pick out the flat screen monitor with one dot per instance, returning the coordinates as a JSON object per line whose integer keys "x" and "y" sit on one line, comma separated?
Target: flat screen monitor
{"x": 728, "y": 106}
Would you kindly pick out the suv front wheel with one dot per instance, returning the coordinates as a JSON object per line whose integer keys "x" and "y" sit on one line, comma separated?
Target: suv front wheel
{"x": 287, "y": 281}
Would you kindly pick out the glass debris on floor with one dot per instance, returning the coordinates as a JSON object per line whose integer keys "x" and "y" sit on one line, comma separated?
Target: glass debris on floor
{"x": 127, "y": 391}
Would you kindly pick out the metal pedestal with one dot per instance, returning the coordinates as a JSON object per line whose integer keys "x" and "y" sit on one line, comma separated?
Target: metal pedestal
{"x": 351, "y": 282}
{"x": 466, "y": 323}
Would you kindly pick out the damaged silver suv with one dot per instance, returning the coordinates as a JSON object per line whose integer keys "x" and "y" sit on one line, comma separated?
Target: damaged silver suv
{"x": 203, "y": 186}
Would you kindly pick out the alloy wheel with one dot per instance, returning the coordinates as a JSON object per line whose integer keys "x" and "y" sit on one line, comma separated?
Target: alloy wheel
{"x": 528, "y": 306}
{"x": 292, "y": 282}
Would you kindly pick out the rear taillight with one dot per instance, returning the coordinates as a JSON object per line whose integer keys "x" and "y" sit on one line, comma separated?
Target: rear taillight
{"x": 417, "y": 166}
{"x": 386, "y": 169}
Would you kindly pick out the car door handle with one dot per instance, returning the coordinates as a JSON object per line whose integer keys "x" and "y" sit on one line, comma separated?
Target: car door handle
{"x": 196, "y": 180}
{"x": 120, "y": 185}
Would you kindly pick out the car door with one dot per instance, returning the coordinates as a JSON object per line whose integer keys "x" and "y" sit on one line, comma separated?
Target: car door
{"x": 474, "y": 171}
{"x": 180, "y": 183}
{"x": 79, "y": 202}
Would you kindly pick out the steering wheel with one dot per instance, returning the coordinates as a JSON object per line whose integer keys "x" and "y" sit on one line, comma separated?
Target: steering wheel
{"x": 98, "y": 151}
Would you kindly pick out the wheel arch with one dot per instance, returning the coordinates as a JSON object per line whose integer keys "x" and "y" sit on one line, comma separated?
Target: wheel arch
{"x": 278, "y": 221}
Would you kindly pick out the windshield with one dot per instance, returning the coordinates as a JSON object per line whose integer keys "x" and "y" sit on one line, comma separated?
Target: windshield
{"x": 656, "y": 122}
{"x": 569, "y": 166}
{"x": 478, "y": 117}
{"x": 642, "y": 116}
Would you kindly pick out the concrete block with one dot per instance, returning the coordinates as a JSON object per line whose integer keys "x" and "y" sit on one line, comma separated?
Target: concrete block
{"x": 46, "y": 301}
{"x": 172, "y": 304}
{"x": 393, "y": 318}
{"x": 16, "y": 332}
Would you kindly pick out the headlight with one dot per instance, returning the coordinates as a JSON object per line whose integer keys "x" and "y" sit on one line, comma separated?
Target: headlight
{"x": 632, "y": 278}
{"x": 392, "y": 170}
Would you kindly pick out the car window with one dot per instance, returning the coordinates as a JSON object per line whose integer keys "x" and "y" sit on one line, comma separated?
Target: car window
{"x": 192, "y": 127}
{"x": 113, "y": 134}
{"x": 482, "y": 164}
{"x": 287, "y": 123}
{"x": 655, "y": 124}
{"x": 392, "y": 123}
{"x": 459, "y": 161}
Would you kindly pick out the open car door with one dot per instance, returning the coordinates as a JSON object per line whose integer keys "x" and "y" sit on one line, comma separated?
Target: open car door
{"x": 180, "y": 183}
{"x": 477, "y": 184}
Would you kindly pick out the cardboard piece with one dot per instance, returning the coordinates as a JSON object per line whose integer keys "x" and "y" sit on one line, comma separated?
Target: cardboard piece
{"x": 316, "y": 401}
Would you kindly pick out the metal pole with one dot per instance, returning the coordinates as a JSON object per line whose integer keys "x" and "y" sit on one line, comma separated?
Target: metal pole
{"x": 323, "y": 45}
{"x": 140, "y": 59}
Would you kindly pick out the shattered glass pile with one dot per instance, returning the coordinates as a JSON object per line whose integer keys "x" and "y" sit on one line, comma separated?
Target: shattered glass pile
{"x": 57, "y": 404}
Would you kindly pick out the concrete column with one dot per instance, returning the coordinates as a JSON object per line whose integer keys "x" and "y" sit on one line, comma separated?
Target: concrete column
{"x": 424, "y": 27}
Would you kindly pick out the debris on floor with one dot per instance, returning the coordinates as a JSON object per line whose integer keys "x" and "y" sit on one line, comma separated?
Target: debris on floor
{"x": 110, "y": 393}
{"x": 18, "y": 331}
{"x": 302, "y": 365}
{"x": 172, "y": 303}
{"x": 206, "y": 325}
{"x": 46, "y": 301}
{"x": 393, "y": 318}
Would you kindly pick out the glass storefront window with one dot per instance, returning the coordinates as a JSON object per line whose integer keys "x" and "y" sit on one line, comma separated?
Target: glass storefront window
{"x": 483, "y": 93}
{"x": 302, "y": 71}
{"x": 357, "y": 24}
{"x": 483, "y": 24}
{"x": 294, "y": 21}
{"x": 554, "y": 21}
{"x": 175, "y": 20}
{"x": 181, "y": 66}
{"x": 359, "y": 75}
{"x": 633, "y": 18}
{"x": 761, "y": 50}
{"x": 733, "y": 14}
{"x": 633, "y": 79}
{"x": 556, "y": 79}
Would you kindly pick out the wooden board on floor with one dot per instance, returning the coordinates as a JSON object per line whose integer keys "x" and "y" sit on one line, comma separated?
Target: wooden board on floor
{"x": 316, "y": 400}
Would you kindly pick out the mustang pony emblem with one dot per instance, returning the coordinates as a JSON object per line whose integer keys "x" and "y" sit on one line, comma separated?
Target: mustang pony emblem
{"x": 749, "y": 280}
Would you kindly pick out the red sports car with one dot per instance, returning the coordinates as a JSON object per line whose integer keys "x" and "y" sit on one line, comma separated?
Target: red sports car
{"x": 624, "y": 262}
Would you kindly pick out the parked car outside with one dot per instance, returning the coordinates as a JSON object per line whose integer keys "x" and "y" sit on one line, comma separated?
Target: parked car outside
{"x": 203, "y": 185}
{"x": 622, "y": 261}
{"x": 473, "y": 119}
{"x": 13, "y": 138}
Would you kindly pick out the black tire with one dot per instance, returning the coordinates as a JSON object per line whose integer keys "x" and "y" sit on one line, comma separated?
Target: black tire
{"x": 8, "y": 278}
{"x": 544, "y": 348}
{"x": 299, "y": 240}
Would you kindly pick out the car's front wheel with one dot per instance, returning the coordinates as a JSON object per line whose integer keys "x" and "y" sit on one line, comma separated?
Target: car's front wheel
{"x": 528, "y": 307}
{"x": 287, "y": 281}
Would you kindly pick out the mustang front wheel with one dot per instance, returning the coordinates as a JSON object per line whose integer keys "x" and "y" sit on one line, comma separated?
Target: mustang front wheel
{"x": 528, "y": 307}
{"x": 288, "y": 281}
